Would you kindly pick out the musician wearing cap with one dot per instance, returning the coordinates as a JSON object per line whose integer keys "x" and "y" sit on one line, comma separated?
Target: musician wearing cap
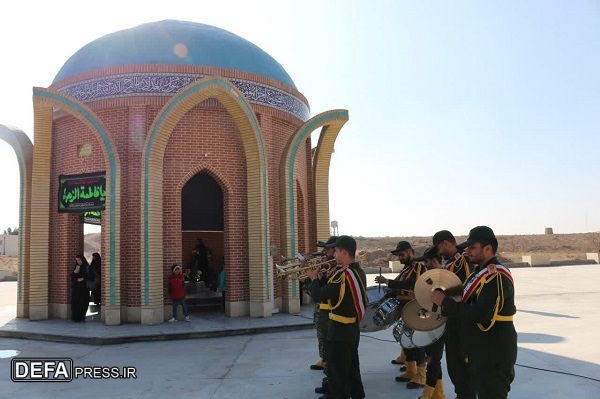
{"x": 322, "y": 317}
{"x": 403, "y": 284}
{"x": 486, "y": 314}
{"x": 346, "y": 294}
{"x": 434, "y": 388}
{"x": 456, "y": 262}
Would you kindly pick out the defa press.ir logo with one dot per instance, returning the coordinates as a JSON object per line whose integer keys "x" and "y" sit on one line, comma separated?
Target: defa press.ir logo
{"x": 62, "y": 369}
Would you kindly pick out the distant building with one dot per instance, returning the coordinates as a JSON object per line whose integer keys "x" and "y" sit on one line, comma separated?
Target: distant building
{"x": 9, "y": 244}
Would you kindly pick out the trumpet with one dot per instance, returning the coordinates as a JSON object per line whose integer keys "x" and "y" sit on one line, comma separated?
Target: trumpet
{"x": 297, "y": 271}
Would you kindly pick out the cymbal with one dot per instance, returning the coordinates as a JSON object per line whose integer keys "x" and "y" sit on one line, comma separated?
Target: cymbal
{"x": 419, "y": 319}
{"x": 437, "y": 279}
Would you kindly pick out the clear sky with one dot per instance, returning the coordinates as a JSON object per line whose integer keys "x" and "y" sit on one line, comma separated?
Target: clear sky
{"x": 461, "y": 113}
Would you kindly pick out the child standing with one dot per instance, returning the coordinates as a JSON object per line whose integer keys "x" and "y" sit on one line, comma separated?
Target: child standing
{"x": 177, "y": 291}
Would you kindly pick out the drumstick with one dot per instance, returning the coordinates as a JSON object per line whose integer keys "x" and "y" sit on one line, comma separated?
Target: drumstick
{"x": 379, "y": 283}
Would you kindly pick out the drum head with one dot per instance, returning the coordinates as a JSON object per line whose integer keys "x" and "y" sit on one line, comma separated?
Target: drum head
{"x": 422, "y": 339}
{"x": 375, "y": 293}
{"x": 437, "y": 279}
{"x": 417, "y": 318}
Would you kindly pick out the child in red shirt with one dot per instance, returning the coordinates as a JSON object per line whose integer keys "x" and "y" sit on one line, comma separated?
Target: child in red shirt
{"x": 177, "y": 291}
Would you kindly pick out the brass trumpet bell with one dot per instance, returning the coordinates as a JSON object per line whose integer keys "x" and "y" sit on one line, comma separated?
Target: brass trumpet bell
{"x": 297, "y": 270}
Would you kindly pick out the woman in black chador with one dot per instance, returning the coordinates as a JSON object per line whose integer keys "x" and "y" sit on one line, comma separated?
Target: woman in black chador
{"x": 96, "y": 267}
{"x": 80, "y": 296}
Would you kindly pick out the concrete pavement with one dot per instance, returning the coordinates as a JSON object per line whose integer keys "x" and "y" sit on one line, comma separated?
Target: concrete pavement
{"x": 557, "y": 322}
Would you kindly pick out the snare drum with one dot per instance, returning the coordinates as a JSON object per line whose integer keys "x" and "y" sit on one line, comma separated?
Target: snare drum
{"x": 374, "y": 295}
{"x": 388, "y": 312}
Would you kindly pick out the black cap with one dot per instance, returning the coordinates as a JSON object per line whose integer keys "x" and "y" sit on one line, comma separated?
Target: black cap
{"x": 479, "y": 234}
{"x": 429, "y": 253}
{"x": 345, "y": 242}
{"x": 331, "y": 242}
{"x": 442, "y": 235}
{"x": 402, "y": 246}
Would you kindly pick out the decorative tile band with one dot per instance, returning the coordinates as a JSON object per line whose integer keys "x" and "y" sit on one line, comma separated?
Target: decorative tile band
{"x": 163, "y": 84}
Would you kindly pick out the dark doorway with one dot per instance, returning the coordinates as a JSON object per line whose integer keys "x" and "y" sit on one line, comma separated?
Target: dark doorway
{"x": 202, "y": 226}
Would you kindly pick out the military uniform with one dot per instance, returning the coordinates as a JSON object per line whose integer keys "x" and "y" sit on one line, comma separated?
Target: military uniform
{"x": 415, "y": 357}
{"x": 343, "y": 333}
{"x": 322, "y": 322}
{"x": 486, "y": 313}
{"x": 455, "y": 343}
{"x": 321, "y": 315}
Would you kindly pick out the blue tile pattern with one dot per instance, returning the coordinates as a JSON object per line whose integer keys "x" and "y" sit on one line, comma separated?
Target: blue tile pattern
{"x": 167, "y": 84}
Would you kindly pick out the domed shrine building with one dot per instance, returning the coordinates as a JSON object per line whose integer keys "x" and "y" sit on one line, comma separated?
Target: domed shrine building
{"x": 175, "y": 131}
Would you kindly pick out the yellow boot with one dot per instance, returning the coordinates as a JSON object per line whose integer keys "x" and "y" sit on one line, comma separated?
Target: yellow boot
{"x": 400, "y": 359}
{"x": 320, "y": 365}
{"x": 428, "y": 392}
{"x": 439, "y": 390}
{"x": 409, "y": 374}
{"x": 420, "y": 378}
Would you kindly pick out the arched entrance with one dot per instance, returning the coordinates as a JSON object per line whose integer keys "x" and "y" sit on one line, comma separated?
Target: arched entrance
{"x": 202, "y": 240}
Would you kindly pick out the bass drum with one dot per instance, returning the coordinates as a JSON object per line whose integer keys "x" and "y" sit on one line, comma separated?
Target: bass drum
{"x": 409, "y": 338}
{"x": 421, "y": 339}
{"x": 374, "y": 295}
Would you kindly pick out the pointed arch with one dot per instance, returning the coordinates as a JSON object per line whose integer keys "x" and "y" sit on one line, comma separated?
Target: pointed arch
{"x": 44, "y": 100}
{"x": 331, "y": 122}
{"x": 23, "y": 148}
{"x": 260, "y": 275}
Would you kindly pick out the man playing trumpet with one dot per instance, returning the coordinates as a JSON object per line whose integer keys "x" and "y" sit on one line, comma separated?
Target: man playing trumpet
{"x": 321, "y": 316}
{"x": 345, "y": 292}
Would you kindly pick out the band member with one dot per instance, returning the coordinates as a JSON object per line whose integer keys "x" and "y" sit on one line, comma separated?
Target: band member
{"x": 346, "y": 294}
{"x": 454, "y": 261}
{"x": 404, "y": 283}
{"x": 322, "y": 317}
{"x": 486, "y": 312}
{"x": 320, "y": 365}
{"x": 434, "y": 388}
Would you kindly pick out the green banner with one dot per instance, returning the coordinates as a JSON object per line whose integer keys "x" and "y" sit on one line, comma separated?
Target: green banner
{"x": 85, "y": 192}
{"x": 92, "y": 217}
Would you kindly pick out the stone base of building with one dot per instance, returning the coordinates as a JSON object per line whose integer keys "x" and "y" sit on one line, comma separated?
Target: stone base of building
{"x": 237, "y": 309}
{"x": 261, "y": 309}
{"x": 131, "y": 314}
{"x": 111, "y": 316}
{"x": 306, "y": 299}
{"x": 22, "y": 310}
{"x": 38, "y": 312}
{"x": 152, "y": 315}
{"x": 60, "y": 311}
{"x": 291, "y": 305}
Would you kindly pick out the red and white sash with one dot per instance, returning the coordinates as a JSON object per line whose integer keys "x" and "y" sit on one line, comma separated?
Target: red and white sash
{"x": 358, "y": 292}
{"x": 474, "y": 281}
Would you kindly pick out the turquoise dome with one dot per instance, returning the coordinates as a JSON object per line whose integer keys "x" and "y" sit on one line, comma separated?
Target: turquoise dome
{"x": 174, "y": 42}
